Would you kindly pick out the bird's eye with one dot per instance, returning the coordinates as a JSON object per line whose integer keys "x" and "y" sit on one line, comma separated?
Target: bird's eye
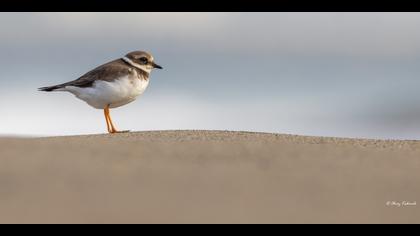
{"x": 143, "y": 60}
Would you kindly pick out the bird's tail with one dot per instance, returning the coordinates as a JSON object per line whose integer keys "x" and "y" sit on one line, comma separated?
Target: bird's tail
{"x": 50, "y": 88}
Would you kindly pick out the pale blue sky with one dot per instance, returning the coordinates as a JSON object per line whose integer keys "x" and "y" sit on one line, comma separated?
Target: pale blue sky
{"x": 330, "y": 74}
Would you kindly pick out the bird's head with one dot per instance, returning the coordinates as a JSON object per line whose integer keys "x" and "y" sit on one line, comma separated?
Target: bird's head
{"x": 142, "y": 60}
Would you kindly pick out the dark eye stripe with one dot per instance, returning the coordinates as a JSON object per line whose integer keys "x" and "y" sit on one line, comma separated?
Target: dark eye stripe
{"x": 144, "y": 60}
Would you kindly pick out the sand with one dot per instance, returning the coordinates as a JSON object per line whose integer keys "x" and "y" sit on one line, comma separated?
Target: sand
{"x": 208, "y": 177}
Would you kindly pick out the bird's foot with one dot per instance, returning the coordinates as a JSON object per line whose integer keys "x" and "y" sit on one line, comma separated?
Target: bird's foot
{"x": 119, "y": 132}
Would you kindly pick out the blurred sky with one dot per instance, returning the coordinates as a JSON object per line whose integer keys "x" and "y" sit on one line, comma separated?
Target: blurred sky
{"x": 329, "y": 74}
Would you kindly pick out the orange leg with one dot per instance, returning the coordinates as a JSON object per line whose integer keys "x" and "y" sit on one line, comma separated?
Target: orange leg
{"x": 106, "y": 113}
{"x": 110, "y": 124}
{"x": 113, "y": 129}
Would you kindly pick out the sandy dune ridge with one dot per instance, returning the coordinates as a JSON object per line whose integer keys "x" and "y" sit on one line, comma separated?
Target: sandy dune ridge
{"x": 208, "y": 177}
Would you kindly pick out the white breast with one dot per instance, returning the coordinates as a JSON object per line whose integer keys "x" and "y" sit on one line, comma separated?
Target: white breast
{"x": 115, "y": 94}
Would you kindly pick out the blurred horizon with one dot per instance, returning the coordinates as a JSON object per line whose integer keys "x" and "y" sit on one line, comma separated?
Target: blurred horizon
{"x": 321, "y": 74}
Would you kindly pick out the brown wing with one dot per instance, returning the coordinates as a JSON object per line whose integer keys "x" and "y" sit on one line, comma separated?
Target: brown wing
{"x": 108, "y": 72}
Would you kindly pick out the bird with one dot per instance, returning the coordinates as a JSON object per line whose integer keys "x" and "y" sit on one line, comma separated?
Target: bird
{"x": 112, "y": 84}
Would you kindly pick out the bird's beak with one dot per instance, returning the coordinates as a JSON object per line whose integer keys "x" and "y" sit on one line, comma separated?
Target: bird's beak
{"x": 156, "y": 66}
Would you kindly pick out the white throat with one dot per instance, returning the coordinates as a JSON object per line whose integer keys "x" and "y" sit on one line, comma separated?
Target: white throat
{"x": 141, "y": 67}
